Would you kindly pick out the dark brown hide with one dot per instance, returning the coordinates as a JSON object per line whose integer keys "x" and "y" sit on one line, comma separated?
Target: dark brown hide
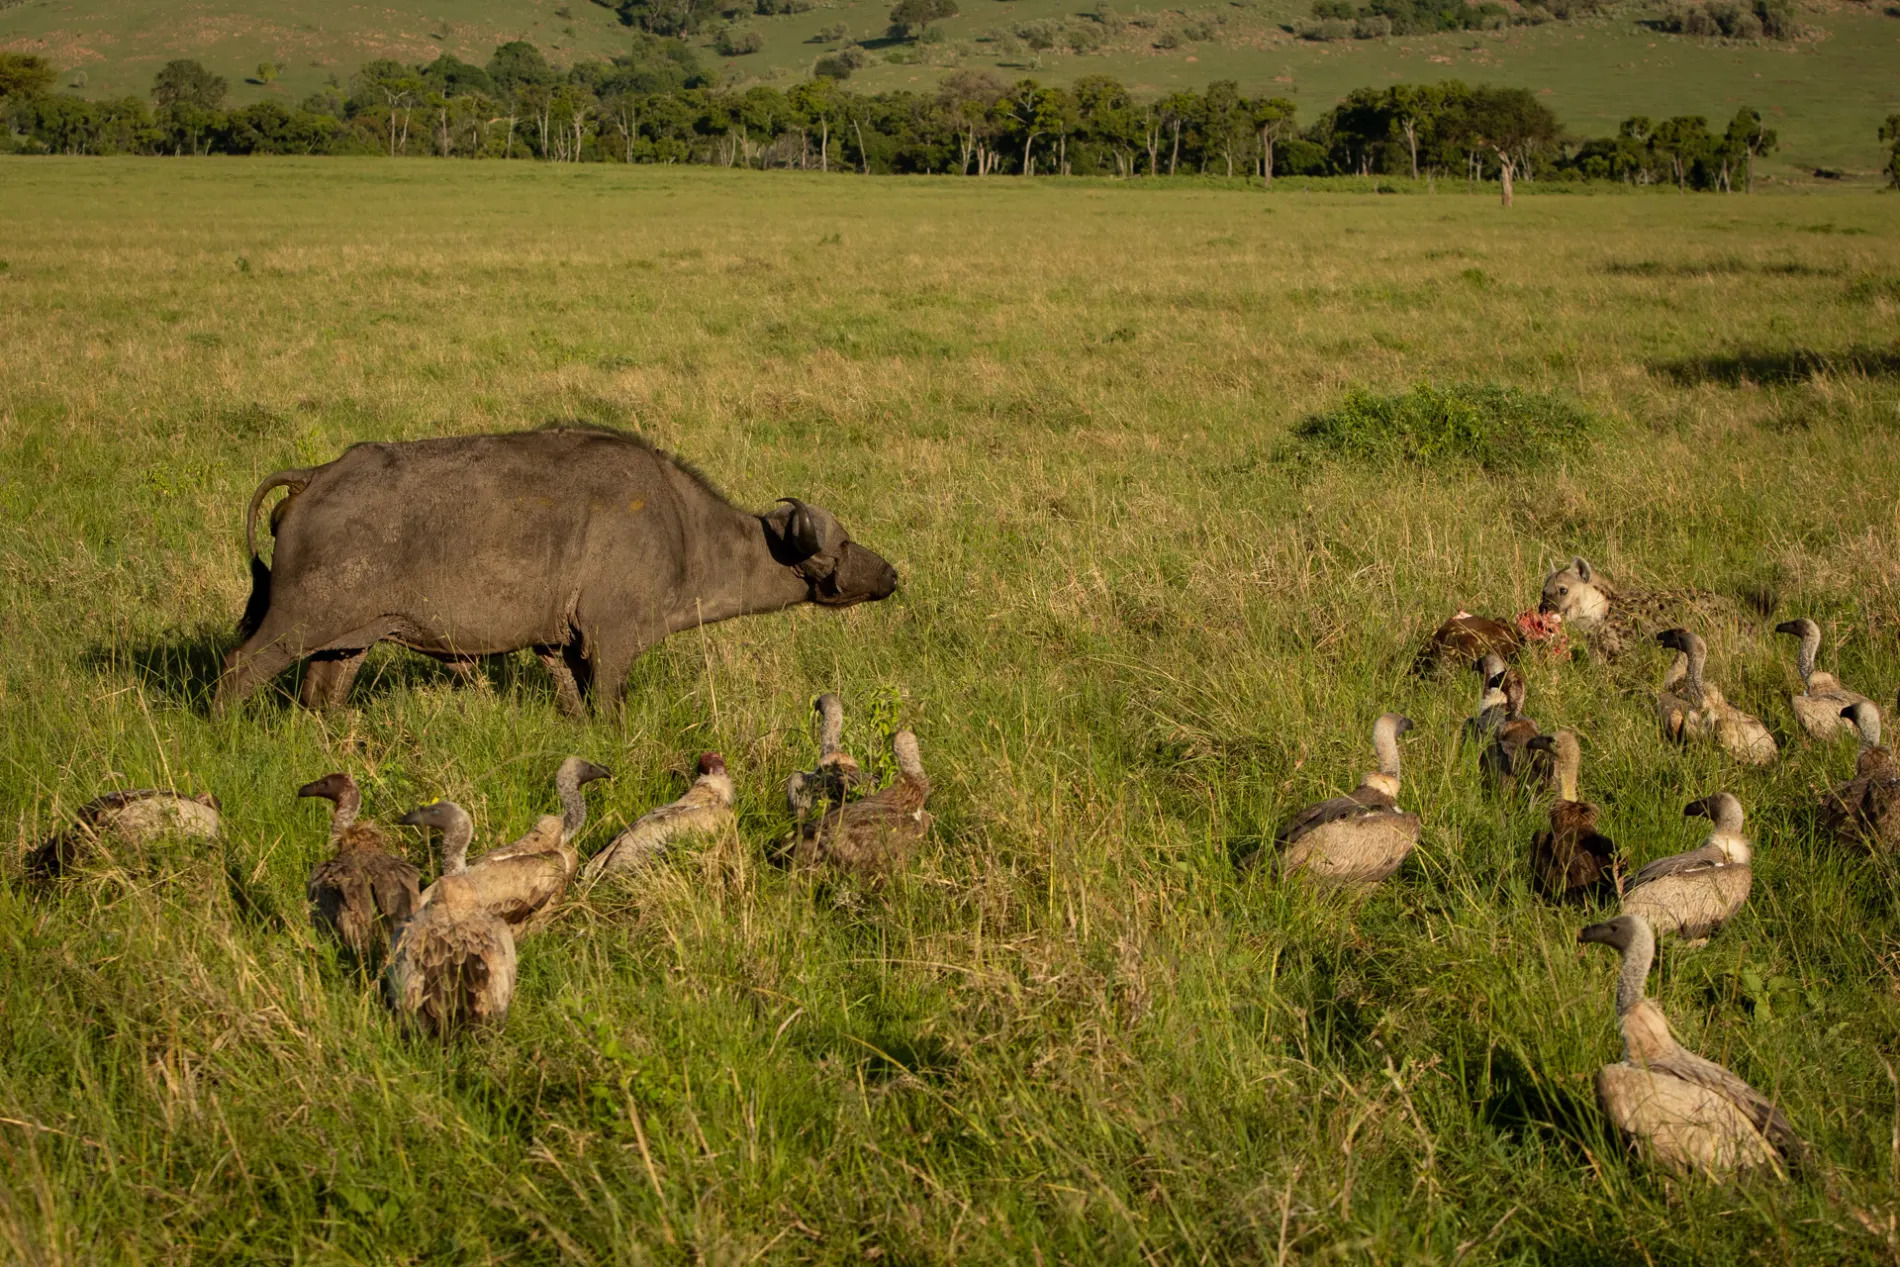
{"x": 588, "y": 546}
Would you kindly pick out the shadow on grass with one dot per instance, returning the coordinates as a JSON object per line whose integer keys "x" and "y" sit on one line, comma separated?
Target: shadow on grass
{"x": 1516, "y": 1102}
{"x": 181, "y": 670}
{"x": 891, "y": 1049}
{"x": 1722, "y": 266}
{"x": 1778, "y": 367}
{"x": 255, "y": 906}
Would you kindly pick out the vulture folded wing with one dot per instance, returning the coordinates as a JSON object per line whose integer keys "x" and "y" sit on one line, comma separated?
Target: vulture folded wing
{"x": 520, "y": 890}
{"x": 545, "y": 836}
{"x": 396, "y": 883}
{"x": 1678, "y": 864}
{"x": 1764, "y": 1113}
{"x": 1683, "y": 1125}
{"x": 342, "y": 899}
{"x": 701, "y": 810}
{"x": 1362, "y": 801}
{"x": 1692, "y": 904}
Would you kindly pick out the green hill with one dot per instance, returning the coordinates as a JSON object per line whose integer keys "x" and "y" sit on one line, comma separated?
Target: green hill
{"x": 1825, "y": 92}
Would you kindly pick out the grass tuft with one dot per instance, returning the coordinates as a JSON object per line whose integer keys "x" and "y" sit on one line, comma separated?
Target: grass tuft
{"x": 1497, "y": 428}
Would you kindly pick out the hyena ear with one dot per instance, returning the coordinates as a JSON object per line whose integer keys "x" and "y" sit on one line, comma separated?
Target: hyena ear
{"x": 1583, "y": 569}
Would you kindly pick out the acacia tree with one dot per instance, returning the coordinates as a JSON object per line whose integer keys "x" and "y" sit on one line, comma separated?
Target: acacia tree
{"x": 1747, "y": 137}
{"x": 913, "y": 17}
{"x": 1037, "y": 111}
{"x": 1412, "y": 108}
{"x": 1226, "y": 120}
{"x": 188, "y": 97}
{"x": 817, "y": 103}
{"x": 399, "y": 90}
{"x": 25, "y": 74}
{"x": 1513, "y": 125}
{"x": 518, "y": 68}
{"x": 1683, "y": 139}
{"x": 1177, "y": 109}
{"x": 1104, "y": 113}
{"x": 973, "y": 101}
{"x": 1273, "y": 117}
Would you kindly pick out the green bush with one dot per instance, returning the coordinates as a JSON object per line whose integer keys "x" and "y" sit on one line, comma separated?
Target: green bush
{"x": 1495, "y": 427}
{"x": 737, "y": 43}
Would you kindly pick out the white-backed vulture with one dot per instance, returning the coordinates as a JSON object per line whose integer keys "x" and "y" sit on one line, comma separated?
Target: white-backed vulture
{"x": 1363, "y": 837}
{"x": 1510, "y": 756}
{"x": 519, "y": 883}
{"x": 837, "y": 774}
{"x": 1820, "y": 706}
{"x": 705, "y": 809}
{"x": 1688, "y": 1113}
{"x": 1691, "y": 895}
{"x": 452, "y": 965}
{"x": 874, "y": 835}
{"x": 574, "y": 775}
{"x": 1865, "y": 810}
{"x": 1494, "y": 706}
{"x": 1571, "y": 859}
{"x": 1691, "y": 708}
{"x": 362, "y": 892}
{"x": 133, "y": 819}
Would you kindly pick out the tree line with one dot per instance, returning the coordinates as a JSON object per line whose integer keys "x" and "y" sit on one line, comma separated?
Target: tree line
{"x": 658, "y": 104}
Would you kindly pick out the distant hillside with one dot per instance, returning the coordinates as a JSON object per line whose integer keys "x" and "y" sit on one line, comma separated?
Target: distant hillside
{"x": 1825, "y": 93}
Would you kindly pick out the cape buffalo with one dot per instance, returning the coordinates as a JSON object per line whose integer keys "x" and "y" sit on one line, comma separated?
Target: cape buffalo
{"x": 585, "y": 544}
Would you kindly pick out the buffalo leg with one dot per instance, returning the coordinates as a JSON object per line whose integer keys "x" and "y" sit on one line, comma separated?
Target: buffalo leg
{"x": 466, "y": 668}
{"x": 611, "y": 661}
{"x": 571, "y": 678}
{"x": 328, "y": 676}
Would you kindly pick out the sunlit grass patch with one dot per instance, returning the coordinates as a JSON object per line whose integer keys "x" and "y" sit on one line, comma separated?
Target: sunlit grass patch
{"x": 1497, "y": 428}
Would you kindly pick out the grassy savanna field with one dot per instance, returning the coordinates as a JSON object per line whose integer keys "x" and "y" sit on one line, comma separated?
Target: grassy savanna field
{"x": 1824, "y": 94}
{"x": 1139, "y": 626}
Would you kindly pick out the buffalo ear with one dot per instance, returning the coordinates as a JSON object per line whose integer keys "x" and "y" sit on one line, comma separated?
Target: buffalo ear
{"x": 801, "y": 529}
{"x": 1583, "y": 569}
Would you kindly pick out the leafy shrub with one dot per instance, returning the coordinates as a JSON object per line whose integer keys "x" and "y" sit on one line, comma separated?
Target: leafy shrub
{"x": 1039, "y": 34}
{"x": 1495, "y": 427}
{"x": 1326, "y": 29}
{"x": 1338, "y": 19}
{"x": 771, "y": 8}
{"x": 731, "y": 43}
{"x": 911, "y": 16}
{"x": 666, "y": 17}
{"x": 1168, "y": 39}
{"x": 1199, "y": 32}
{"x": 830, "y": 66}
{"x": 1712, "y": 19}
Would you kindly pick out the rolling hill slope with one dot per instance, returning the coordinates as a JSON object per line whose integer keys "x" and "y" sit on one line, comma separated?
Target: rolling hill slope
{"x": 1825, "y": 94}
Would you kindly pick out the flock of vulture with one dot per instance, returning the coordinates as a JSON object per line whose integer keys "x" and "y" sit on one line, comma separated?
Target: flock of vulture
{"x": 447, "y": 951}
{"x": 1690, "y": 1113}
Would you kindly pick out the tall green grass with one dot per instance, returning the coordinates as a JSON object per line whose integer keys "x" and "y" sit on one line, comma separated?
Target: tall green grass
{"x": 1130, "y": 640}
